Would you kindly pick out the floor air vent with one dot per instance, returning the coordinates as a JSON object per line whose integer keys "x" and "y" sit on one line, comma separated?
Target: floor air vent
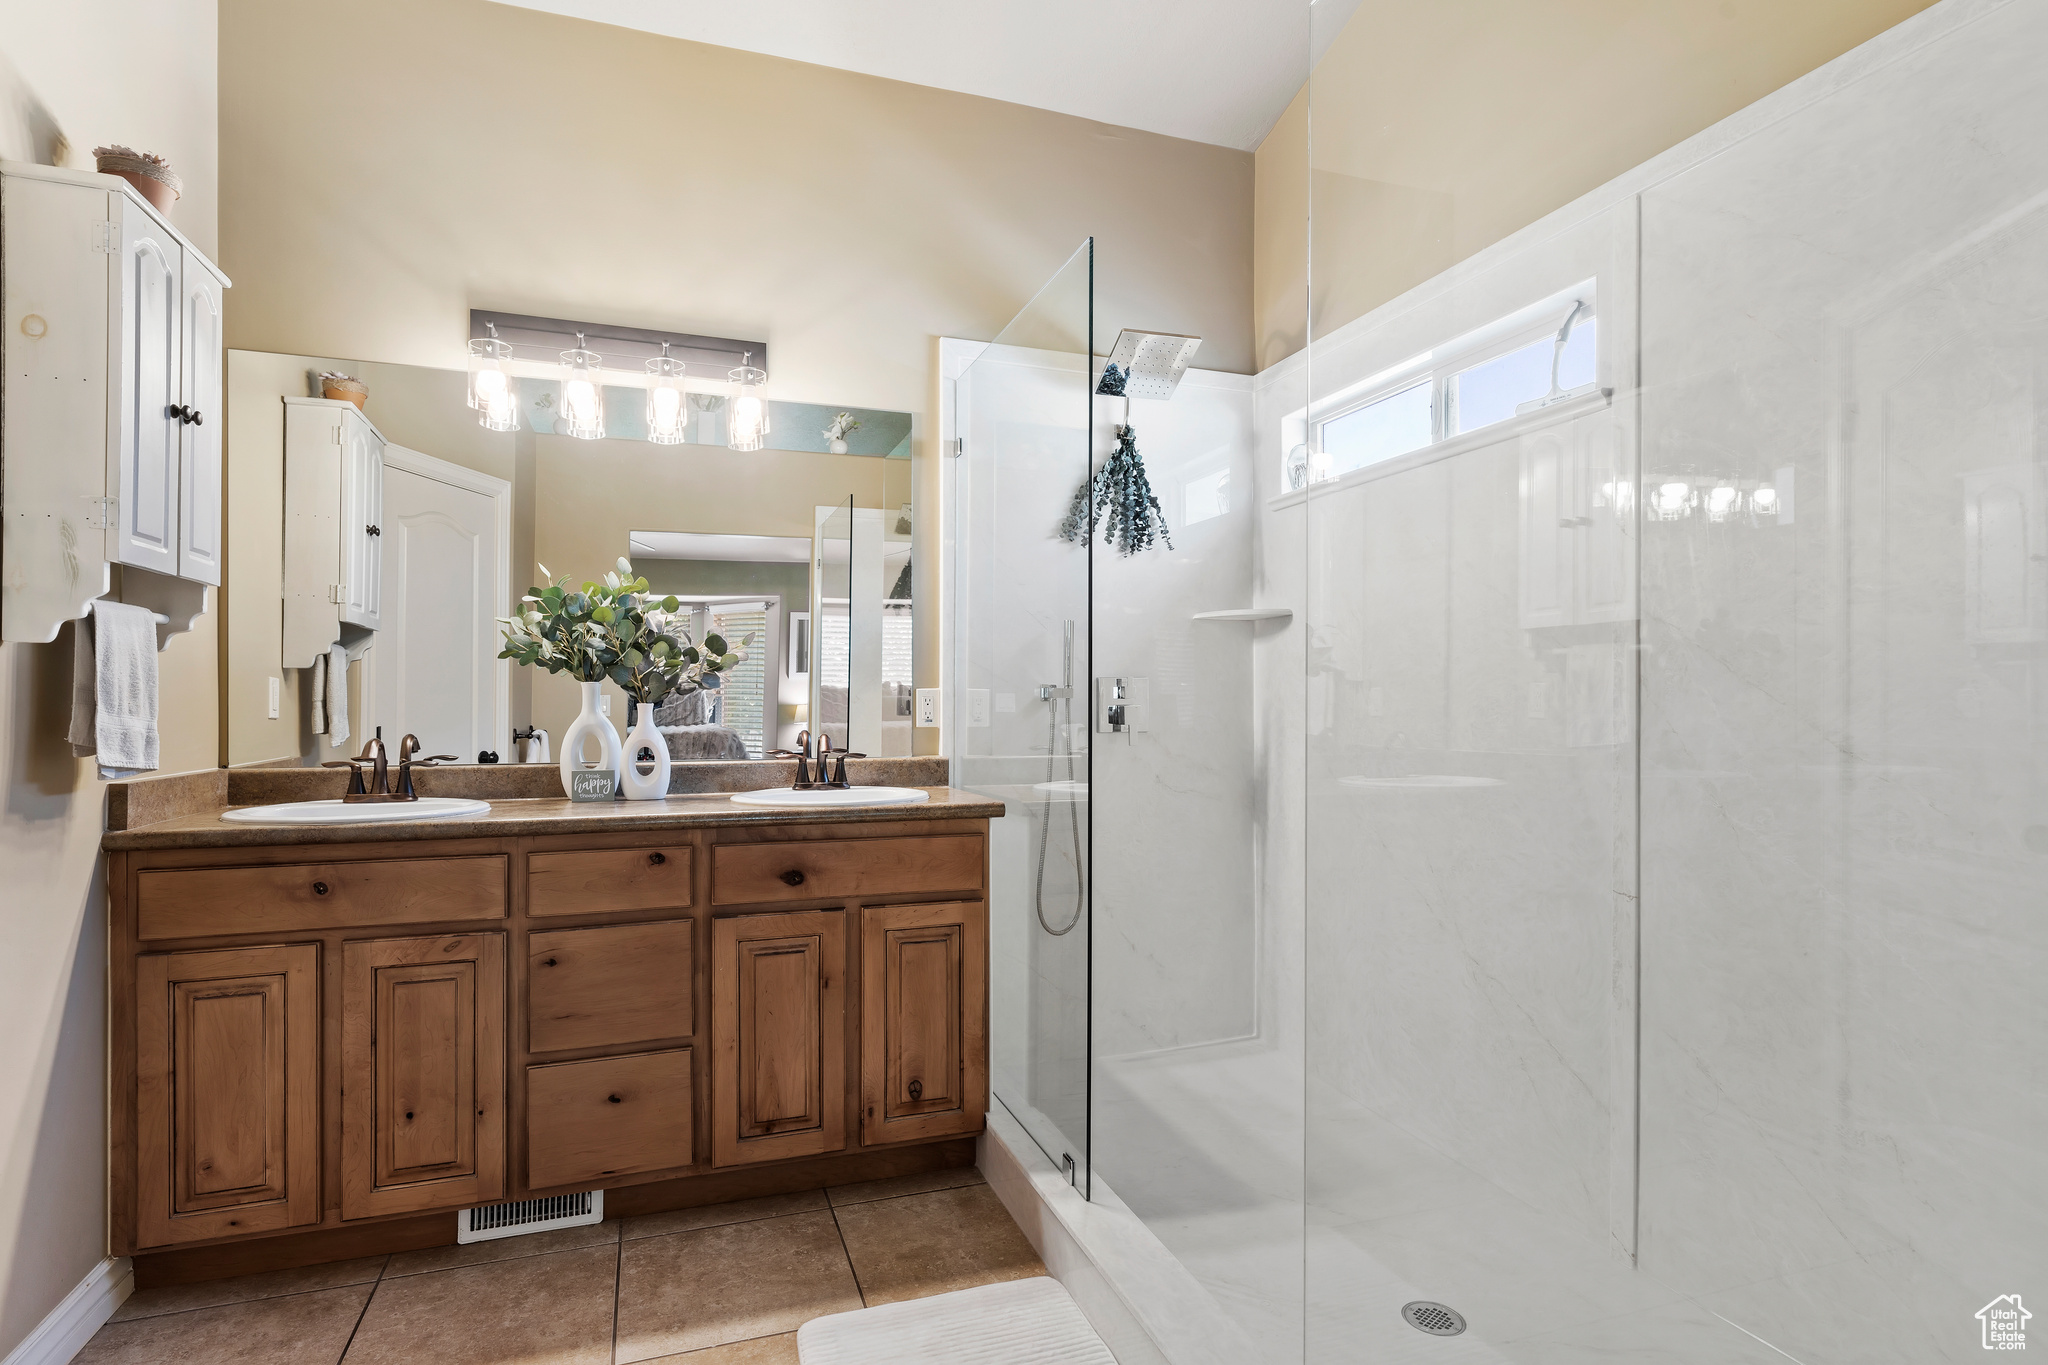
{"x": 522, "y": 1216}
{"x": 1433, "y": 1318}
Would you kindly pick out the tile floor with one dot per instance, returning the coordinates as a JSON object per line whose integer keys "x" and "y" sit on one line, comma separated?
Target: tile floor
{"x": 728, "y": 1284}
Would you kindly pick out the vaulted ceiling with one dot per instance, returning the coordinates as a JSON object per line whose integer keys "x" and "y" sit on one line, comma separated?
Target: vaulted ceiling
{"x": 1216, "y": 71}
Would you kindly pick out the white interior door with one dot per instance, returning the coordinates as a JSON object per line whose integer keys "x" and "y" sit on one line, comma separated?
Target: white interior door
{"x": 437, "y": 644}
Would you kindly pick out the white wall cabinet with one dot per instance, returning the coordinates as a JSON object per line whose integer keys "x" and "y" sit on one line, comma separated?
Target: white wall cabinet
{"x": 333, "y": 532}
{"x": 1577, "y": 498}
{"x": 110, "y": 411}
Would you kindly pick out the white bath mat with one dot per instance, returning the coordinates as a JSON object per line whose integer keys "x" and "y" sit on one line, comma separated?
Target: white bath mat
{"x": 1022, "y": 1322}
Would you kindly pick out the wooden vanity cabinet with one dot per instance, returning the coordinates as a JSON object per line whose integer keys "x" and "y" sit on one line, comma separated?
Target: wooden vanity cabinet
{"x": 924, "y": 1021}
{"x": 778, "y": 1035}
{"x": 422, "y": 1073}
{"x": 323, "y": 1038}
{"x": 227, "y": 1091}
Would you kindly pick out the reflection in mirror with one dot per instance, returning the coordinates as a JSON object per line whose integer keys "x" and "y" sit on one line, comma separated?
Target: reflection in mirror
{"x": 401, "y": 526}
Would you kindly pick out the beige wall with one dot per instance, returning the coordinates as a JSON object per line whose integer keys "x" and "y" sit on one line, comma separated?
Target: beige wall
{"x": 1442, "y": 128}
{"x": 139, "y": 72}
{"x": 376, "y": 187}
{"x": 415, "y": 161}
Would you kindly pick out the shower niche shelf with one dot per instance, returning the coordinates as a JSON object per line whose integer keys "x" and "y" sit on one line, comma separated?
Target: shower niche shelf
{"x": 1247, "y": 614}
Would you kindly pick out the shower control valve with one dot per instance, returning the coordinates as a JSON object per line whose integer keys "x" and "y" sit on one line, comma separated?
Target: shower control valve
{"x": 1123, "y": 706}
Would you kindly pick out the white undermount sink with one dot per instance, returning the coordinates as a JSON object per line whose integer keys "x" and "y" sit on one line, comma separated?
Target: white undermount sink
{"x": 833, "y": 796}
{"x": 339, "y": 812}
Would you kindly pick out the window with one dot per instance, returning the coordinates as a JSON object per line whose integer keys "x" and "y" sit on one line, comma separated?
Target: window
{"x": 1494, "y": 390}
{"x": 1382, "y": 429}
{"x": 1544, "y": 354}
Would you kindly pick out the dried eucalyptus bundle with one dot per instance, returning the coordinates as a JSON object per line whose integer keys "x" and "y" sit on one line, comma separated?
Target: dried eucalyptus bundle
{"x": 1121, "y": 490}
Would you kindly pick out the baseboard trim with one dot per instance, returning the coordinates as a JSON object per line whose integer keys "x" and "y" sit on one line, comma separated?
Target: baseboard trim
{"x": 1135, "y": 1293}
{"x": 63, "y": 1334}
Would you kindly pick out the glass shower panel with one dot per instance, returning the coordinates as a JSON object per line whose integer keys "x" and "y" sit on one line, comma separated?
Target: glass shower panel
{"x": 1018, "y": 699}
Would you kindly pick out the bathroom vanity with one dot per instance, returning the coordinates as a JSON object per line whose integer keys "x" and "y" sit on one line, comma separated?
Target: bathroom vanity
{"x": 331, "y": 1030}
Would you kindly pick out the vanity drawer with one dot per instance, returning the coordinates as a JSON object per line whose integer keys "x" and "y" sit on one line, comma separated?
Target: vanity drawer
{"x": 587, "y": 1121}
{"x": 831, "y": 869}
{"x": 608, "y": 987}
{"x": 592, "y": 881}
{"x": 199, "y": 902}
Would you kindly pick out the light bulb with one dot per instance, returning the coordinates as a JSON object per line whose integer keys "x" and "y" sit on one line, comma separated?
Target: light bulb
{"x": 490, "y": 388}
{"x": 749, "y": 422}
{"x": 1722, "y": 502}
{"x": 582, "y": 394}
{"x": 666, "y": 425}
{"x": 1673, "y": 500}
{"x": 1764, "y": 502}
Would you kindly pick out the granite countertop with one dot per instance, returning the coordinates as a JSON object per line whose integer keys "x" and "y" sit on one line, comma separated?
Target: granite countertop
{"x": 183, "y": 810}
{"x": 539, "y": 815}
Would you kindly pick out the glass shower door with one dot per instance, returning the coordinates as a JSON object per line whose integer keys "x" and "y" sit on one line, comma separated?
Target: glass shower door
{"x": 1018, "y": 699}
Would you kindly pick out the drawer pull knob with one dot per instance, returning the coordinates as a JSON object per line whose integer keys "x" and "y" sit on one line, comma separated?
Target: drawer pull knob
{"x": 657, "y": 859}
{"x": 614, "y": 1099}
{"x": 319, "y": 888}
{"x": 917, "y": 1090}
{"x": 408, "y": 1114}
{"x": 794, "y": 877}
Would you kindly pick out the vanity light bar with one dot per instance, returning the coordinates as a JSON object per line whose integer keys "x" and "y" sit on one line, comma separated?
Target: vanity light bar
{"x": 535, "y": 346}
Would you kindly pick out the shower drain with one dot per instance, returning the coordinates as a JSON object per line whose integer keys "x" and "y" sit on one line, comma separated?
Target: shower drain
{"x": 1433, "y": 1318}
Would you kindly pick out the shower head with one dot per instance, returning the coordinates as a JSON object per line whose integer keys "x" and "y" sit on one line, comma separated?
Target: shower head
{"x": 1150, "y": 363}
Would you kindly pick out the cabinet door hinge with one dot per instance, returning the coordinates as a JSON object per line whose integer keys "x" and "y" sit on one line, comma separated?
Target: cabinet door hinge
{"x": 106, "y": 237}
{"x": 100, "y": 513}
{"x": 337, "y": 593}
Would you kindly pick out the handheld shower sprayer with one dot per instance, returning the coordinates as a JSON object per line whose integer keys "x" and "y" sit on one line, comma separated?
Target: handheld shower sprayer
{"x": 1059, "y": 716}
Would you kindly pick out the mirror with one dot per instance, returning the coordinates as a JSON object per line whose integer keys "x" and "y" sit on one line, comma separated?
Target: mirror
{"x": 394, "y": 569}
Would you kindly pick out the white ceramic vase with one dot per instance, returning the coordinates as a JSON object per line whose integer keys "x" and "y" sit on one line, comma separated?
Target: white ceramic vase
{"x": 633, "y": 784}
{"x": 836, "y": 447}
{"x": 590, "y": 723}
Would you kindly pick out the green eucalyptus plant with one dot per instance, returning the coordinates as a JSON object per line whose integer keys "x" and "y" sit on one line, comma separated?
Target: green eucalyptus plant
{"x": 607, "y": 630}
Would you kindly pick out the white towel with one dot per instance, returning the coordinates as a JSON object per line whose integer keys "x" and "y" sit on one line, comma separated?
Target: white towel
{"x": 337, "y": 695}
{"x": 317, "y": 674}
{"x": 113, "y": 689}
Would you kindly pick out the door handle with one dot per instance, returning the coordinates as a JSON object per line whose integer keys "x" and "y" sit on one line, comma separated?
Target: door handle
{"x": 657, "y": 859}
{"x": 917, "y": 1090}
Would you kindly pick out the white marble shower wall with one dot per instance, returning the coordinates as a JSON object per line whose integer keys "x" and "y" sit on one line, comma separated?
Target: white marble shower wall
{"x": 1748, "y": 984}
{"x": 1845, "y": 709}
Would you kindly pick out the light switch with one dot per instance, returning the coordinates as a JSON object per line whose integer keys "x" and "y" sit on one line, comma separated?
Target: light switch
{"x": 276, "y": 690}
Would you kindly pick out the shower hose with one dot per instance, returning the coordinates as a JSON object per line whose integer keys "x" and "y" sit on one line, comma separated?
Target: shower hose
{"x": 1053, "y": 713}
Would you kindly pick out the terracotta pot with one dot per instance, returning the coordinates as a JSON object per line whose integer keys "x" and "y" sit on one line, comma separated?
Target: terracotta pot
{"x": 158, "y": 183}
{"x": 160, "y": 195}
{"x": 354, "y": 390}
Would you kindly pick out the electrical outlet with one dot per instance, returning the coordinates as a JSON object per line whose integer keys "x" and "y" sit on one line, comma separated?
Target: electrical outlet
{"x": 977, "y": 708}
{"x": 927, "y": 707}
{"x": 276, "y": 695}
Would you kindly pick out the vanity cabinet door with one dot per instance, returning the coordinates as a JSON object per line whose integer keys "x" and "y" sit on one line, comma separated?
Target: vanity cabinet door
{"x": 228, "y": 1107}
{"x": 423, "y": 1073}
{"x": 924, "y": 1028}
{"x": 778, "y": 1036}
